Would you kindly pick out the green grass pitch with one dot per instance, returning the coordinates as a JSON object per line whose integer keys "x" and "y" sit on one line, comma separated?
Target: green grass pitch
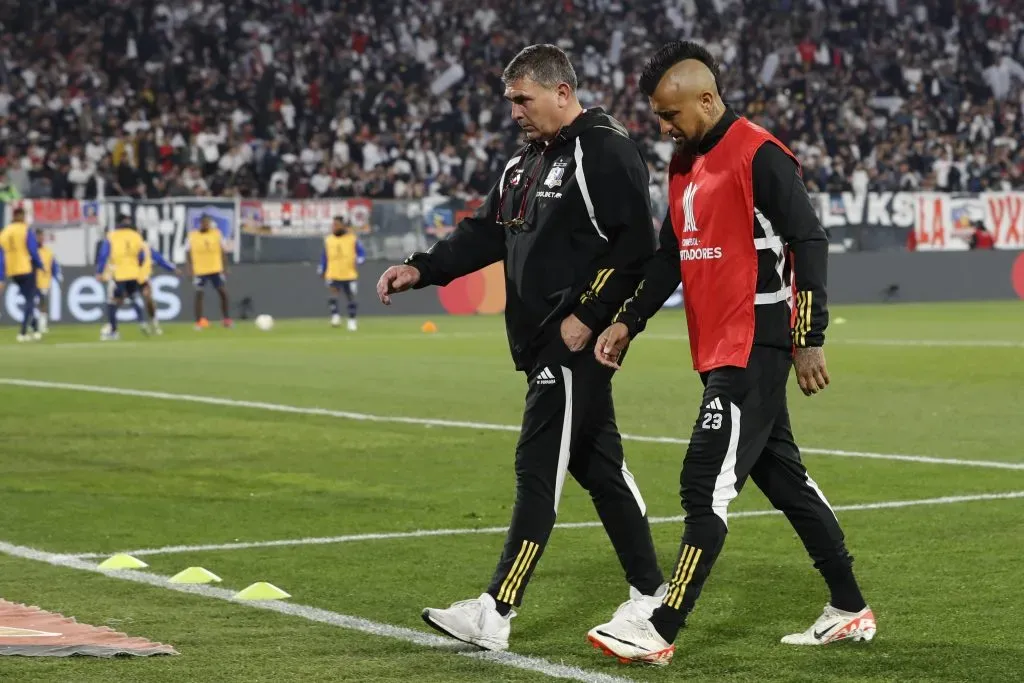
{"x": 86, "y": 472}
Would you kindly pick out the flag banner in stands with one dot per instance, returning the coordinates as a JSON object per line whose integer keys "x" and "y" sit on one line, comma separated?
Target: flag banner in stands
{"x": 303, "y": 217}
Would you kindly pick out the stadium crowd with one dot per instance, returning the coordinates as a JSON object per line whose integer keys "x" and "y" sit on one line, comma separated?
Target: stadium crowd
{"x": 150, "y": 98}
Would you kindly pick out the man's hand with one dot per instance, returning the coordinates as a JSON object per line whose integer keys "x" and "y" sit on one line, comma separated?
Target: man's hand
{"x": 612, "y": 343}
{"x": 396, "y": 279}
{"x": 575, "y": 334}
{"x": 811, "y": 373}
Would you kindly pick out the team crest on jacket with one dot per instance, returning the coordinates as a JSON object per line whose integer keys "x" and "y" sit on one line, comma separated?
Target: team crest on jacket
{"x": 554, "y": 178}
{"x": 516, "y": 177}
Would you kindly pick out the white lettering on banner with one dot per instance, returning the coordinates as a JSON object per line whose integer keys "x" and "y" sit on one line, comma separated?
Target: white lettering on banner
{"x": 12, "y": 303}
{"x": 305, "y": 217}
{"x": 1005, "y": 218}
{"x": 941, "y": 221}
{"x": 154, "y": 218}
{"x": 885, "y": 209}
{"x": 165, "y": 296}
{"x": 166, "y": 222}
{"x": 700, "y": 254}
{"x": 87, "y": 300}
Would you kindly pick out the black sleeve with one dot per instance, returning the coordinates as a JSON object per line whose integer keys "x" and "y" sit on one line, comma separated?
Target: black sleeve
{"x": 780, "y": 194}
{"x": 661, "y": 277}
{"x": 476, "y": 242}
{"x": 618, "y": 187}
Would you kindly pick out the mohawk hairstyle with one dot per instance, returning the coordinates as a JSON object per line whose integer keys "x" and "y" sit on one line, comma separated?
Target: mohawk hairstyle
{"x": 670, "y": 55}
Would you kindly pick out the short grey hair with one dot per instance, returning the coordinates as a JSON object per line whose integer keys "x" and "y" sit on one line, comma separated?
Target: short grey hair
{"x": 548, "y": 65}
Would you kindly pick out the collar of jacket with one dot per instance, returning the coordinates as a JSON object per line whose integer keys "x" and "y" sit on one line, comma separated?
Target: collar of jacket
{"x": 717, "y": 131}
{"x": 587, "y": 119}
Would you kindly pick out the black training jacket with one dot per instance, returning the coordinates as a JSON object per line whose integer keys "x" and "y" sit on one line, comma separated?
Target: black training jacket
{"x": 571, "y": 221}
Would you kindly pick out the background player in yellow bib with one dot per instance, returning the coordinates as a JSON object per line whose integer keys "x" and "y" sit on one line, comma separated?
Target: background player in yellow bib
{"x": 124, "y": 250}
{"x": 45, "y": 276}
{"x": 342, "y": 253}
{"x": 151, "y": 256}
{"x": 19, "y": 260}
{"x": 206, "y": 258}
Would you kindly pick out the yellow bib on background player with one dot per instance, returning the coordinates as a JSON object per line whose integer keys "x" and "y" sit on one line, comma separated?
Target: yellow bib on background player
{"x": 125, "y": 245}
{"x": 207, "y": 252}
{"x": 44, "y": 277}
{"x": 341, "y": 257}
{"x": 14, "y": 242}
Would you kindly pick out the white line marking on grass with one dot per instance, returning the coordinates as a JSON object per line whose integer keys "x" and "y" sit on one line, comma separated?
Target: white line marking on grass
{"x": 463, "y": 424}
{"x": 47, "y": 346}
{"x": 323, "y": 616}
{"x": 325, "y": 540}
{"x": 88, "y": 345}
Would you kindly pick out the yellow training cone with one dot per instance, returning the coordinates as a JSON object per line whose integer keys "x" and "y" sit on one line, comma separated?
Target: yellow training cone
{"x": 194, "y": 575}
{"x": 261, "y": 591}
{"x": 122, "y": 561}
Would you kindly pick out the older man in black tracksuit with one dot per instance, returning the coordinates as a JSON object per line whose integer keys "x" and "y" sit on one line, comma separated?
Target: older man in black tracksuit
{"x": 570, "y": 219}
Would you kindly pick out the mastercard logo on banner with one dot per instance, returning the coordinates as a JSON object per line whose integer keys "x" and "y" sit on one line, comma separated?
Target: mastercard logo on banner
{"x": 479, "y": 292}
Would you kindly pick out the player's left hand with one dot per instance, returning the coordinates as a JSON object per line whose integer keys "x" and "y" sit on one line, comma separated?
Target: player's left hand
{"x": 575, "y": 334}
{"x": 610, "y": 346}
{"x": 811, "y": 373}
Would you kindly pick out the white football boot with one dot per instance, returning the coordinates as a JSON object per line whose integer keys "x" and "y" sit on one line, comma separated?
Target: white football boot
{"x": 639, "y": 606}
{"x": 632, "y": 640}
{"x": 835, "y": 625}
{"x": 336, "y": 320}
{"x": 352, "y": 325}
{"x": 474, "y": 621}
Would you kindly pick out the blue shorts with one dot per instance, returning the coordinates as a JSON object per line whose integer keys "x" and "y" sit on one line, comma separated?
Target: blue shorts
{"x": 347, "y": 286}
{"x": 215, "y": 279}
{"x": 26, "y": 285}
{"x": 124, "y": 289}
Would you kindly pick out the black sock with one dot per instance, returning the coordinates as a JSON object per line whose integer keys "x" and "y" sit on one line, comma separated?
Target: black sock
{"x": 352, "y": 308}
{"x": 846, "y": 593}
{"x": 503, "y": 607}
{"x": 333, "y": 303}
{"x": 667, "y": 622}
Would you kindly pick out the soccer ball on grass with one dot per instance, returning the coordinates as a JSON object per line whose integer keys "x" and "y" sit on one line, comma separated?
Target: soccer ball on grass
{"x": 264, "y": 322}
